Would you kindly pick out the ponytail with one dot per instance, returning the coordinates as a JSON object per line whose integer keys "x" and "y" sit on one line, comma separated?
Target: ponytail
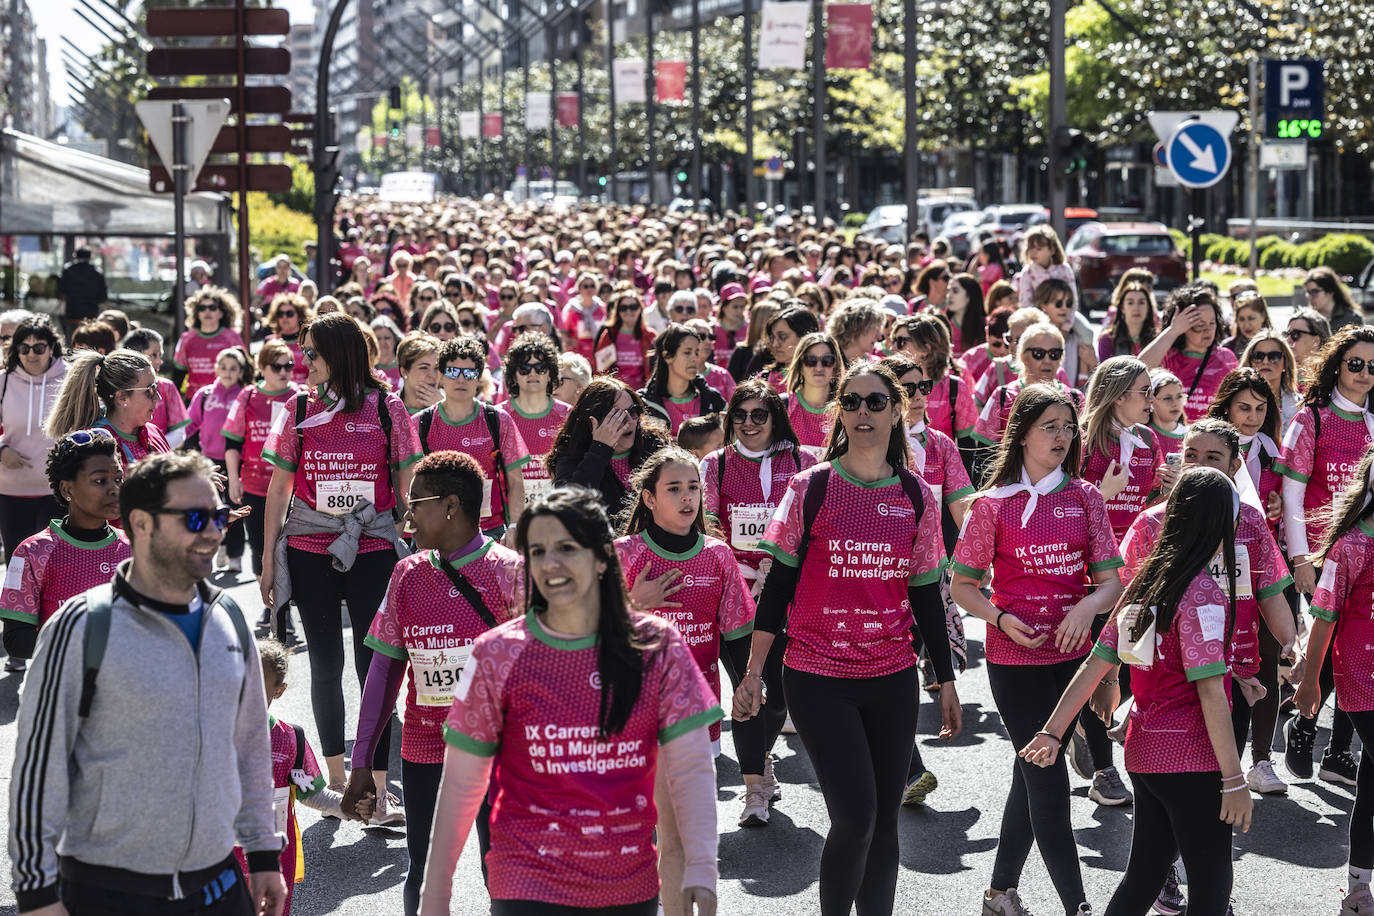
{"x": 90, "y": 386}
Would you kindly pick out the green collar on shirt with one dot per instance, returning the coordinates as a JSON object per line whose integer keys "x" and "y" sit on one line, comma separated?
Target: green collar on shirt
{"x": 130, "y": 437}
{"x": 532, "y": 416}
{"x": 110, "y": 537}
{"x": 687, "y": 400}
{"x": 1192, "y": 355}
{"x": 666, "y": 554}
{"x": 1352, "y": 417}
{"x": 824, "y": 408}
{"x": 557, "y": 642}
{"x": 1366, "y": 527}
{"x": 443, "y": 415}
{"x": 875, "y": 485}
{"x": 271, "y": 394}
{"x": 218, "y": 331}
{"x": 434, "y": 558}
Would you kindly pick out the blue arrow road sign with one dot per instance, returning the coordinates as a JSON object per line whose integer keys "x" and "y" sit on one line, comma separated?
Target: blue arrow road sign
{"x": 1198, "y": 154}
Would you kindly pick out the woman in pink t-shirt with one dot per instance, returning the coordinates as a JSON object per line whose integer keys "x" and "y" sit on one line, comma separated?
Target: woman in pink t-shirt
{"x": 532, "y": 375}
{"x": 857, "y": 554}
{"x": 117, "y": 392}
{"x": 575, "y": 708}
{"x": 1190, "y": 347}
{"x": 1043, "y": 534}
{"x": 1180, "y": 750}
{"x": 210, "y": 318}
{"x": 811, "y": 380}
{"x": 208, "y": 413}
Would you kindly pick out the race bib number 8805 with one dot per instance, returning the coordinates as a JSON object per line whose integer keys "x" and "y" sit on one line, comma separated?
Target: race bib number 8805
{"x": 339, "y": 497}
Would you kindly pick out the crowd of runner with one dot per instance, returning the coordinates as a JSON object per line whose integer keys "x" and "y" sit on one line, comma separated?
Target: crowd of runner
{"x": 564, "y": 471}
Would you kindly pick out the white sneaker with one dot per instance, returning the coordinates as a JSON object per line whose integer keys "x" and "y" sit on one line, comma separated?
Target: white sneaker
{"x": 13, "y": 664}
{"x": 1007, "y": 903}
{"x": 1359, "y": 902}
{"x": 389, "y": 812}
{"x": 236, "y": 564}
{"x": 1262, "y": 779}
{"x": 770, "y": 781}
{"x": 755, "y": 806}
{"x": 221, "y": 558}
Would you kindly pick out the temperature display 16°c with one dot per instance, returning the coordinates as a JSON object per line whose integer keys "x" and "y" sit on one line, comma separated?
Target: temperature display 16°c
{"x": 1298, "y": 129}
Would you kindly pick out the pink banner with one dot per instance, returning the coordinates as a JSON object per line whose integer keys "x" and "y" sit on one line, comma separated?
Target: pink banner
{"x": 670, "y": 80}
{"x": 431, "y": 136}
{"x": 849, "y": 36}
{"x": 379, "y": 141}
{"x": 491, "y": 126}
{"x": 567, "y": 109}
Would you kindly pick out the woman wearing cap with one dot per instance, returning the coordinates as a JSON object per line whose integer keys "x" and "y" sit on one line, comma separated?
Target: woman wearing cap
{"x": 731, "y": 325}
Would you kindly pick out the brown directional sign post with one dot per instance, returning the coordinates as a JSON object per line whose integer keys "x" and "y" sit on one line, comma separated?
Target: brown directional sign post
{"x": 238, "y": 142}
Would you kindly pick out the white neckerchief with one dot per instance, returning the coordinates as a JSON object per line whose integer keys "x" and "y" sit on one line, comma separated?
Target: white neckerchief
{"x": 918, "y": 451}
{"x": 1048, "y": 484}
{"x": 765, "y": 459}
{"x": 1259, "y": 445}
{"x": 324, "y": 416}
{"x": 1130, "y": 441}
{"x": 1349, "y": 406}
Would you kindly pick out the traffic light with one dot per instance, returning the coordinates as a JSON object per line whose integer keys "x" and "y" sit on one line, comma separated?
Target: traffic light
{"x": 395, "y": 130}
{"x": 1076, "y": 151}
{"x": 601, "y": 181}
{"x": 681, "y": 177}
{"x": 394, "y": 98}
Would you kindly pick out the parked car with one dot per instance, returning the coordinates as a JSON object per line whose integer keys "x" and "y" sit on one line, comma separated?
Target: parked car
{"x": 1073, "y": 218}
{"x": 1100, "y": 253}
{"x": 888, "y": 222}
{"x": 1001, "y": 221}
{"x": 959, "y": 230}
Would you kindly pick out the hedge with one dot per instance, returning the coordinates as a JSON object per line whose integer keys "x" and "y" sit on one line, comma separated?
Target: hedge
{"x": 1344, "y": 253}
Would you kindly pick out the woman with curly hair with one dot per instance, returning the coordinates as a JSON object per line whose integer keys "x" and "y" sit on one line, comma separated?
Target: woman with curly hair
{"x": 211, "y": 315}
{"x": 532, "y": 375}
{"x": 856, "y": 325}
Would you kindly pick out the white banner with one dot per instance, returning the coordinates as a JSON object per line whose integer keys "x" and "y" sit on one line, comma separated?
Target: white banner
{"x": 537, "y": 111}
{"x": 782, "y": 37}
{"x": 629, "y": 81}
{"x": 468, "y": 125}
{"x": 412, "y": 135}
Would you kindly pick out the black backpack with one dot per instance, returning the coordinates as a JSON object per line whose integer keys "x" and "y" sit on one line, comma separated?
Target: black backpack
{"x": 493, "y": 420}
{"x": 815, "y": 497}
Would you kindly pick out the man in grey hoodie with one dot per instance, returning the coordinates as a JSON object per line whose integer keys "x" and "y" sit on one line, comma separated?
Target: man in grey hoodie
{"x": 172, "y": 719}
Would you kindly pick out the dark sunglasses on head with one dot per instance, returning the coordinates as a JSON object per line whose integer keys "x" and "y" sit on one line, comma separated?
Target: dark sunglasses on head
{"x": 455, "y": 372}
{"x": 875, "y": 402}
{"x": 447, "y": 327}
{"x": 811, "y": 360}
{"x": 1267, "y": 356}
{"x": 925, "y": 386}
{"x": 758, "y": 416}
{"x": 1357, "y": 365}
{"x": 282, "y": 367}
{"x": 535, "y": 368}
{"x": 84, "y": 437}
{"x": 196, "y": 520}
{"x": 37, "y": 349}
{"x": 1038, "y": 353}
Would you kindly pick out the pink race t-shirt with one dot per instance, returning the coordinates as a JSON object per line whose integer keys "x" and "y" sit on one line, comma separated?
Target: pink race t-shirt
{"x": 733, "y": 492}
{"x": 299, "y": 370}
{"x": 1167, "y": 731}
{"x": 943, "y": 469}
{"x": 1170, "y": 441}
{"x": 246, "y": 427}
{"x": 724, "y": 342}
{"x": 537, "y": 431}
{"x": 208, "y": 413}
{"x": 1140, "y": 481}
{"x": 1200, "y": 381}
{"x": 427, "y": 623}
{"x": 572, "y": 814}
{"x": 716, "y": 606}
{"x": 473, "y": 437}
{"x": 960, "y": 421}
{"x": 993, "y": 420}
{"x": 976, "y": 362}
{"x": 811, "y": 426}
{"x": 196, "y": 351}
{"x": 1345, "y": 596}
{"x": 134, "y": 448}
{"x": 1041, "y": 571}
{"x": 679, "y": 409}
{"x": 851, "y": 617}
{"x": 51, "y": 566}
{"x": 345, "y": 456}
{"x": 1003, "y": 371}
{"x": 170, "y": 413}
{"x": 629, "y": 357}
{"x": 1324, "y": 463}
{"x": 581, "y": 325}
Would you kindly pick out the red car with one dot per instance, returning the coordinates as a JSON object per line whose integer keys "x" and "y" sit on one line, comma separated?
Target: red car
{"x": 1100, "y": 253}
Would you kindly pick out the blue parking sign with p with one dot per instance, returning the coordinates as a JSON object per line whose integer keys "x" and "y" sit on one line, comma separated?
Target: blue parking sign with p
{"x": 1294, "y": 99}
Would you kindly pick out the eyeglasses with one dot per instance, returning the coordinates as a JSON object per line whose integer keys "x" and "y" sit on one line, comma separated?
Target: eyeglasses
{"x": 1055, "y": 430}
{"x": 758, "y": 416}
{"x": 1267, "y": 356}
{"x": 684, "y": 310}
{"x": 925, "y": 386}
{"x": 1357, "y": 365}
{"x": 453, "y": 293}
{"x": 37, "y": 349}
{"x": 419, "y": 499}
{"x": 533, "y": 368}
{"x": 208, "y": 307}
{"x": 456, "y": 372}
{"x": 629, "y": 307}
{"x": 505, "y": 297}
{"x": 287, "y": 315}
{"x": 150, "y": 390}
{"x": 282, "y": 367}
{"x": 1143, "y": 392}
{"x": 310, "y": 354}
{"x": 826, "y": 361}
{"x": 447, "y": 327}
{"x": 467, "y": 325}
{"x": 587, "y": 286}
{"x": 196, "y": 520}
{"x": 1294, "y": 335}
{"x": 875, "y": 402}
{"x": 1039, "y": 353}
{"x": 901, "y": 343}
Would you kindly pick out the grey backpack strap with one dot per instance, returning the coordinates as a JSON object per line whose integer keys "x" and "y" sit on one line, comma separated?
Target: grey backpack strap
{"x": 99, "y": 604}
{"x": 240, "y": 623}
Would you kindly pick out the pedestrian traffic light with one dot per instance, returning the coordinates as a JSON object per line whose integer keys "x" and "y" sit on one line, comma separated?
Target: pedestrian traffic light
{"x": 395, "y": 129}
{"x": 1076, "y": 151}
{"x": 682, "y": 177}
{"x": 601, "y": 181}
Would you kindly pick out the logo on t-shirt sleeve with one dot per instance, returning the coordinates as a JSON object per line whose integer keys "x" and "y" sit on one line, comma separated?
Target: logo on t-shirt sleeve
{"x": 14, "y": 575}
{"x": 1212, "y": 620}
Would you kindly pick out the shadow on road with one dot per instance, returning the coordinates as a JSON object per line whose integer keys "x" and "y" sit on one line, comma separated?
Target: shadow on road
{"x": 935, "y": 842}
{"x": 794, "y": 854}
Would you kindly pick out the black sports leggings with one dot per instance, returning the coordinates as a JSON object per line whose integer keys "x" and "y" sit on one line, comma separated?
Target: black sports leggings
{"x": 754, "y": 738}
{"x": 22, "y": 517}
{"x": 858, "y": 733}
{"x": 1362, "y": 815}
{"x": 253, "y": 528}
{"x": 420, "y": 782}
{"x": 1264, "y": 715}
{"x": 1177, "y": 813}
{"x": 233, "y": 535}
{"x": 1037, "y": 809}
{"x": 1094, "y": 729}
{"x": 318, "y": 590}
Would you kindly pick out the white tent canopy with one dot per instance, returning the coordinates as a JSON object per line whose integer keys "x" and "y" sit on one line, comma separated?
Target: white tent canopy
{"x": 50, "y": 189}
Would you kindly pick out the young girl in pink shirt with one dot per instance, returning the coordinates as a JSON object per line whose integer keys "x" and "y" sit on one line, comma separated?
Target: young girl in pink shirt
{"x": 209, "y": 414}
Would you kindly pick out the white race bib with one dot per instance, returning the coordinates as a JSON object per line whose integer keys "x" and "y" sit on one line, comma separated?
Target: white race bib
{"x": 747, "y": 524}
{"x": 281, "y": 808}
{"x": 1244, "y": 584}
{"x": 435, "y": 673}
{"x": 535, "y": 487}
{"x": 605, "y": 358}
{"x": 278, "y": 408}
{"x": 486, "y": 499}
{"x": 338, "y": 497}
{"x": 938, "y": 492}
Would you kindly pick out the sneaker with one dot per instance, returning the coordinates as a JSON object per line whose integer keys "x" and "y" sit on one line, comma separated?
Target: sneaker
{"x": 1080, "y": 758}
{"x": 1300, "y": 735}
{"x": 755, "y": 806}
{"x": 389, "y": 813}
{"x": 918, "y": 789}
{"x": 1264, "y": 780}
{"x": 787, "y": 727}
{"x": 221, "y": 558}
{"x": 264, "y": 624}
{"x": 1085, "y": 909}
{"x": 1170, "y": 901}
{"x": 1339, "y": 767}
{"x": 236, "y": 564}
{"x": 1359, "y": 902}
{"x": 770, "y": 781}
{"x": 1108, "y": 789}
{"x": 1007, "y": 903}
{"x": 16, "y": 664}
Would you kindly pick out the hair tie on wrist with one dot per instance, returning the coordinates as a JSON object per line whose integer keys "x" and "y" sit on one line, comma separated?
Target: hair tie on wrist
{"x": 998, "y": 621}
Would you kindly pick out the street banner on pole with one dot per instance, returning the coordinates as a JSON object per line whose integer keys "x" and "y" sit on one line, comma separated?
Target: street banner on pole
{"x": 432, "y": 137}
{"x": 379, "y": 141}
{"x": 468, "y": 125}
{"x": 568, "y": 103}
{"x": 491, "y": 126}
{"x": 412, "y": 135}
{"x": 670, "y": 80}
{"x": 849, "y": 36}
{"x": 782, "y": 36}
{"x": 537, "y": 111}
{"x": 629, "y": 81}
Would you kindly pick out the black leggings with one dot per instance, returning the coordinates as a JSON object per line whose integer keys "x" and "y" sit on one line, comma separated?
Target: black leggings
{"x": 1342, "y": 730}
{"x": 1094, "y": 729}
{"x": 318, "y": 590}
{"x": 253, "y": 528}
{"x": 754, "y": 738}
{"x": 539, "y": 908}
{"x": 420, "y": 782}
{"x": 1362, "y": 815}
{"x": 1264, "y": 714}
{"x": 858, "y": 733}
{"x": 233, "y": 536}
{"x": 1177, "y": 813}
{"x": 1037, "y": 809}
{"x": 22, "y": 517}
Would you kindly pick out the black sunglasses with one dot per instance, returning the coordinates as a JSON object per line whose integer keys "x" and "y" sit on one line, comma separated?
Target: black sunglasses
{"x": 426, "y": 298}
{"x": 1267, "y": 356}
{"x": 925, "y": 386}
{"x": 684, "y": 310}
{"x": 38, "y": 349}
{"x": 456, "y": 372}
{"x": 208, "y": 307}
{"x": 282, "y": 367}
{"x": 447, "y": 327}
{"x": 505, "y": 297}
{"x": 535, "y": 368}
{"x": 875, "y": 402}
{"x": 758, "y": 416}
{"x": 811, "y": 361}
{"x": 1038, "y": 353}
{"x": 1294, "y": 335}
{"x": 629, "y": 307}
{"x": 286, "y": 314}
{"x": 467, "y": 325}
{"x": 1357, "y": 365}
{"x": 197, "y": 519}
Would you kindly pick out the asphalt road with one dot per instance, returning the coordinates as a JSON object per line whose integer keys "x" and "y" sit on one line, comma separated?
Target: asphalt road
{"x": 1290, "y": 863}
